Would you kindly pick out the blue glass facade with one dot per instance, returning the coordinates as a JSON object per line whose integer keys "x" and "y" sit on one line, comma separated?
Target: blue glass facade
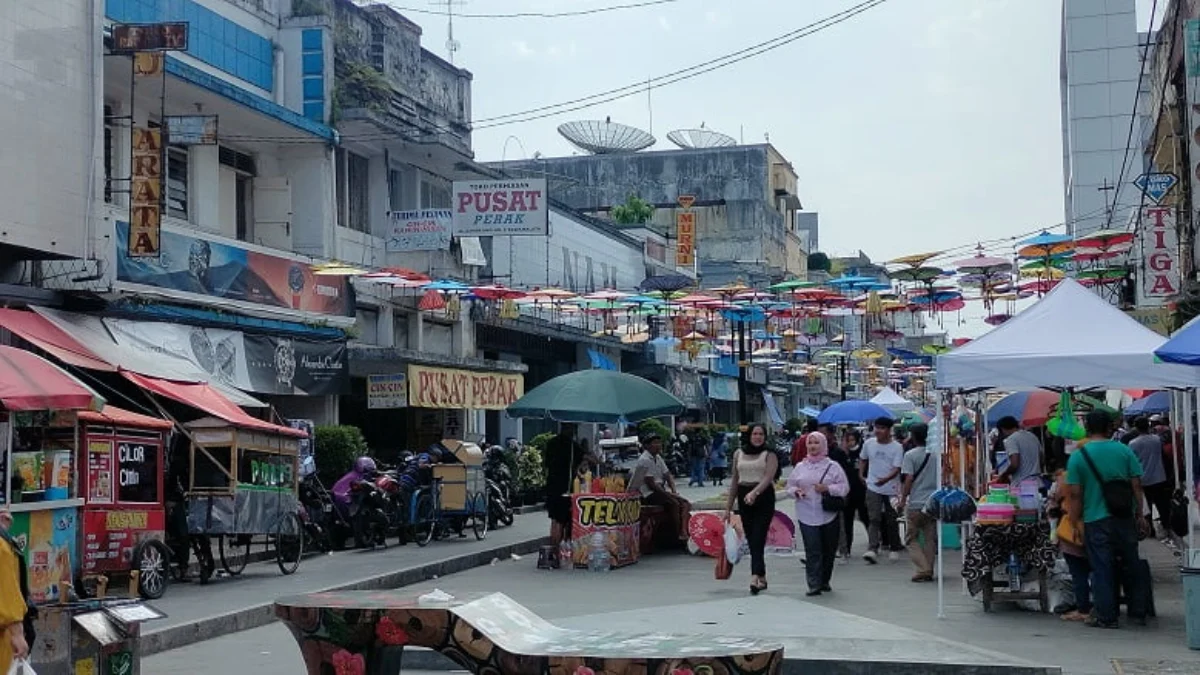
{"x": 212, "y": 38}
{"x": 312, "y": 45}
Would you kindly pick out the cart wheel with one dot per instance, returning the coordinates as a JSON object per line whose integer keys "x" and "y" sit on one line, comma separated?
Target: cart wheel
{"x": 289, "y": 543}
{"x": 479, "y": 514}
{"x": 152, "y": 561}
{"x": 235, "y": 553}
{"x": 424, "y": 520}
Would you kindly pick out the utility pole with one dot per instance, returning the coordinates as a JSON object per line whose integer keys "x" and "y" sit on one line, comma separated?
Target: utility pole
{"x": 1108, "y": 208}
{"x": 452, "y": 45}
{"x": 743, "y": 412}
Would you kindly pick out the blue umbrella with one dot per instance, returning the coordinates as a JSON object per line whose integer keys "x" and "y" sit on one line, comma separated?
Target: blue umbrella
{"x": 446, "y": 285}
{"x": 1158, "y": 402}
{"x": 1046, "y": 239}
{"x": 1183, "y": 347}
{"x": 852, "y": 281}
{"x": 853, "y": 412}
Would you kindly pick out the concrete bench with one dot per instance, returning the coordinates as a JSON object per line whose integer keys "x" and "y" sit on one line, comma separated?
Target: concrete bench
{"x": 366, "y": 632}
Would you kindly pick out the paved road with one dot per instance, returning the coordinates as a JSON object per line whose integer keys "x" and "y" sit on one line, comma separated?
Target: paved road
{"x": 684, "y": 587}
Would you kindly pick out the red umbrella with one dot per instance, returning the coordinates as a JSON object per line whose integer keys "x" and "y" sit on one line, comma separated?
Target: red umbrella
{"x": 707, "y": 530}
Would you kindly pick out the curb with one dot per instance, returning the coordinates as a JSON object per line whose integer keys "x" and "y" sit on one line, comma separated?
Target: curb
{"x": 531, "y": 508}
{"x": 427, "y": 659}
{"x": 262, "y": 614}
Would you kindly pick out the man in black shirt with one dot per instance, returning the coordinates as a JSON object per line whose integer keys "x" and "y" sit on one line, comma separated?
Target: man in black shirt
{"x": 563, "y": 454}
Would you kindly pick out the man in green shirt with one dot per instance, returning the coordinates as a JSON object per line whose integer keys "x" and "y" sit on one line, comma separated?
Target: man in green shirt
{"x": 1111, "y": 540}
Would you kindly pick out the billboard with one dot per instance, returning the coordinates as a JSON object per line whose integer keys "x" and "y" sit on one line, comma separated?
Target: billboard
{"x": 149, "y": 37}
{"x": 486, "y": 208}
{"x": 263, "y": 364}
{"x": 451, "y": 388}
{"x": 202, "y": 266}
{"x": 424, "y": 230}
{"x": 1158, "y": 251}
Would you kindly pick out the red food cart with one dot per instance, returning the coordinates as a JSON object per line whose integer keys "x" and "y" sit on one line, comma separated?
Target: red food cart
{"x": 121, "y": 463}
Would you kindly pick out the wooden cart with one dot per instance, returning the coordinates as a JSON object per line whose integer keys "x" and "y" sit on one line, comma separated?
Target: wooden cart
{"x": 459, "y": 491}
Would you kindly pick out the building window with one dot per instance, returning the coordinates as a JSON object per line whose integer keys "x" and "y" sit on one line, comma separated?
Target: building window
{"x": 177, "y": 182}
{"x": 367, "y": 325}
{"x": 241, "y": 169}
{"x": 108, "y": 154}
{"x": 353, "y": 182}
{"x": 434, "y": 196}
{"x": 402, "y": 190}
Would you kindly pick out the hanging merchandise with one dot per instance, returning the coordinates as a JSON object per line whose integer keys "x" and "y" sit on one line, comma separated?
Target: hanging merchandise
{"x": 951, "y": 505}
{"x": 509, "y": 309}
{"x": 453, "y": 307}
{"x": 1064, "y": 424}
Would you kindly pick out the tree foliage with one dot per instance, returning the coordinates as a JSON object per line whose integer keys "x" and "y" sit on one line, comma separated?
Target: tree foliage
{"x": 635, "y": 211}
{"x": 819, "y": 261}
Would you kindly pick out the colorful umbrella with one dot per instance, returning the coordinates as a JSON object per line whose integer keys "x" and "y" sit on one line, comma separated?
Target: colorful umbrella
{"x": 707, "y": 531}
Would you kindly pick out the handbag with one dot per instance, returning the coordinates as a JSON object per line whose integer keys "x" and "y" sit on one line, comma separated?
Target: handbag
{"x": 829, "y": 502}
{"x": 1118, "y": 493}
{"x": 724, "y": 569}
{"x": 21, "y": 667}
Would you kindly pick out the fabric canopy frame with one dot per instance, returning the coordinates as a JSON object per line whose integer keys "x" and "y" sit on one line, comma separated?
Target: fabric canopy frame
{"x": 1071, "y": 338}
{"x": 30, "y": 383}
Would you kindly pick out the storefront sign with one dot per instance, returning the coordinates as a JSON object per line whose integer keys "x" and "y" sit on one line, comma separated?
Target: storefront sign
{"x": 266, "y": 470}
{"x": 259, "y": 363}
{"x": 110, "y": 537}
{"x": 722, "y": 388}
{"x": 1158, "y": 319}
{"x": 1155, "y": 185}
{"x": 192, "y": 129}
{"x": 501, "y": 208}
{"x": 1159, "y": 250}
{"x": 387, "y": 391}
{"x": 424, "y": 230}
{"x": 150, "y": 37}
{"x": 304, "y": 447}
{"x": 100, "y": 472}
{"x": 138, "y": 472}
{"x": 685, "y": 385}
{"x": 143, "y": 239}
{"x": 49, "y": 539}
{"x": 685, "y": 238}
{"x": 615, "y": 517}
{"x": 449, "y": 388}
{"x": 209, "y": 268}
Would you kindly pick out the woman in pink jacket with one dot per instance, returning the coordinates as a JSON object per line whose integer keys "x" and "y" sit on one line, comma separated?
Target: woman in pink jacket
{"x": 811, "y": 479}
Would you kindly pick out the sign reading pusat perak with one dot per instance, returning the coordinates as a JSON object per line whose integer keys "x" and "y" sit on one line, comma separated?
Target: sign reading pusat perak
{"x": 491, "y": 208}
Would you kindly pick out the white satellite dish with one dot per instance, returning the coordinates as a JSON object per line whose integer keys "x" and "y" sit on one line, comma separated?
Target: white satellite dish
{"x": 700, "y": 138}
{"x": 601, "y": 137}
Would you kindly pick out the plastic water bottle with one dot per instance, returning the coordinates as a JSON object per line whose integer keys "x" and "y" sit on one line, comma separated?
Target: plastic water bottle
{"x": 565, "y": 558}
{"x": 598, "y": 558}
{"x": 1014, "y": 573}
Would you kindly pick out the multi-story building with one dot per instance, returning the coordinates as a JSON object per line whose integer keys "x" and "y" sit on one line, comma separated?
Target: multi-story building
{"x": 1099, "y": 65}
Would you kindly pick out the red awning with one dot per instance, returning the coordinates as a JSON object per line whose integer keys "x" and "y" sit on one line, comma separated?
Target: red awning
{"x": 29, "y": 382}
{"x": 41, "y": 333}
{"x": 203, "y": 397}
{"x": 114, "y": 416}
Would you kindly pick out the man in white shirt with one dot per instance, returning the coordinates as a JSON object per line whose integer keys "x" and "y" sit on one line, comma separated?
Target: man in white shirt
{"x": 653, "y": 481}
{"x": 882, "y": 457}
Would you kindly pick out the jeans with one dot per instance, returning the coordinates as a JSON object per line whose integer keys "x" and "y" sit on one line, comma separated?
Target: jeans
{"x": 697, "y": 472}
{"x": 1080, "y": 581}
{"x": 820, "y": 552}
{"x": 923, "y": 554}
{"x": 856, "y": 508}
{"x": 883, "y": 528}
{"x": 1112, "y": 548}
{"x": 756, "y": 521}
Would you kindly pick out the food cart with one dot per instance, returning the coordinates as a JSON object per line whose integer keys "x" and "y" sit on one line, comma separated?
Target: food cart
{"x": 459, "y": 492}
{"x": 121, "y": 482}
{"x": 243, "y": 482}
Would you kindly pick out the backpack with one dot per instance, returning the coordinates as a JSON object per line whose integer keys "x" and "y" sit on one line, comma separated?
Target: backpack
{"x": 1118, "y": 492}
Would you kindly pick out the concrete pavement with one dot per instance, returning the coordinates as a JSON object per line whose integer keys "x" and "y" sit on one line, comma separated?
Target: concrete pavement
{"x": 196, "y": 613}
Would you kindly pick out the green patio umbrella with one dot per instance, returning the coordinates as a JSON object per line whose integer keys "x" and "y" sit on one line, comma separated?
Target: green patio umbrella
{"x": 597, "y": 396}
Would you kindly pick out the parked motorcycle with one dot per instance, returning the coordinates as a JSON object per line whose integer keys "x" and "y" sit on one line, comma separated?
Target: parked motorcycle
{"x": 499, "y": 486}
{"x": 362, "y": 503}
{"x": 676, "y": 457}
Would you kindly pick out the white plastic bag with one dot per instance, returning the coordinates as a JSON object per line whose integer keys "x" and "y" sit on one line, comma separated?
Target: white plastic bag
{"x": 733, "y": 545}
{"x": 21, "y": 667}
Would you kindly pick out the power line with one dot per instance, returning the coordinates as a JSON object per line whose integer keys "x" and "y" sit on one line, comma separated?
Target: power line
{"x": 538, "y": 15}
{"x": 1133, "y": 115}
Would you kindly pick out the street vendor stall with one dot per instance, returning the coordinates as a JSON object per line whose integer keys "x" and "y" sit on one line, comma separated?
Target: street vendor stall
{"x": 1071, "y": 339}
{"x": 122, "y": 466}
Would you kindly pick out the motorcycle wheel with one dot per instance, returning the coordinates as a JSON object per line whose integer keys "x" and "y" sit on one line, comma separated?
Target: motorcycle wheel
{"x": 152, "y": 560}
{"x": 506, "y": 515}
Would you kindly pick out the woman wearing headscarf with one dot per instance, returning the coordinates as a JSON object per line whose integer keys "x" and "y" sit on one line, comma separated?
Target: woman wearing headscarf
{"x": 753, "y": 487}
{"x": 812, "y": 479}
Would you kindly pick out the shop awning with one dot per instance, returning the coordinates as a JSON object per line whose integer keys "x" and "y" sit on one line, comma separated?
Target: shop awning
{"x": 29, "y": 382}
{"x": 120, "y": 417}
{"x": 207, "y": 399}
{"x": 41, "y": 333}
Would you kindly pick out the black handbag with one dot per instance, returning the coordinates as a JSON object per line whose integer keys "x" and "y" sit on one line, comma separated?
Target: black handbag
{"x": 830, "y": 502}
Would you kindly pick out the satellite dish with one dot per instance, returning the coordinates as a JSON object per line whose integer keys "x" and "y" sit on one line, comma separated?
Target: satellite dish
{"x": 605, "y": 137}
{"x": 700, "y": 138}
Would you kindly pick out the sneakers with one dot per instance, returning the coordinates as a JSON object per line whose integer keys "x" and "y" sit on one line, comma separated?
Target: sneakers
{"x": 893, "y": 556}
{"x": 844, "y": 559}
{"x": 870, "y": 557}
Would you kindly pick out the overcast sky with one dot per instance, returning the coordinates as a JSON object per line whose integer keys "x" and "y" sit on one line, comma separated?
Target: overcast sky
{"x": 917, "y": 125}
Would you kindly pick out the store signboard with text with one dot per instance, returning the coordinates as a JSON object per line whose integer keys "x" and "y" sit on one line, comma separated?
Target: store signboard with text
{"x": 510, "y": 208}
{"x": 387, "y": 391}
{"x": 450, "y": 388}
{"x": 1158, "y": 251}
{"x": 423, "y": 230}
{"x": 205, "y": 267}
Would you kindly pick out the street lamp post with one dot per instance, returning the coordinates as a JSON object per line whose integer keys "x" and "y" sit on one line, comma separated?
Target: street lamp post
{"x": 741, "y": 352}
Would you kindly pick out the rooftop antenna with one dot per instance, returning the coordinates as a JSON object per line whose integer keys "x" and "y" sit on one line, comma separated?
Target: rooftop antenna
{"x": 650, "y": 104}
{"x": 452, "y": 45}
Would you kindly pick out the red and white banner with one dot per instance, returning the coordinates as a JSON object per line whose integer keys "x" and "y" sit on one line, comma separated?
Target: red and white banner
{"x": 488, "y": 208}
{"x": 1158, "y": 255}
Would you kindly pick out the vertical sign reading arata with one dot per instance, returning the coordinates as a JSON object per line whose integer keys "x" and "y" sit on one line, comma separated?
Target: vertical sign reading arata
{"x": 1158, "y": 242}
{"x": 145, "y": 203}
{"x": 488, "y": 208}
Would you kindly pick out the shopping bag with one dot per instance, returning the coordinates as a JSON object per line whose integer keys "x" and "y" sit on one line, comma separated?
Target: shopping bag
{"x": 733, "y": 545}
{"x": 21, "y": 667}
{"x": 724, "y": 569}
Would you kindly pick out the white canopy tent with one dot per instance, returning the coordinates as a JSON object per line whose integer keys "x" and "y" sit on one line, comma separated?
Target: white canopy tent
{"x": 888, "y": 398}
{"x": 1070, "y": 338}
